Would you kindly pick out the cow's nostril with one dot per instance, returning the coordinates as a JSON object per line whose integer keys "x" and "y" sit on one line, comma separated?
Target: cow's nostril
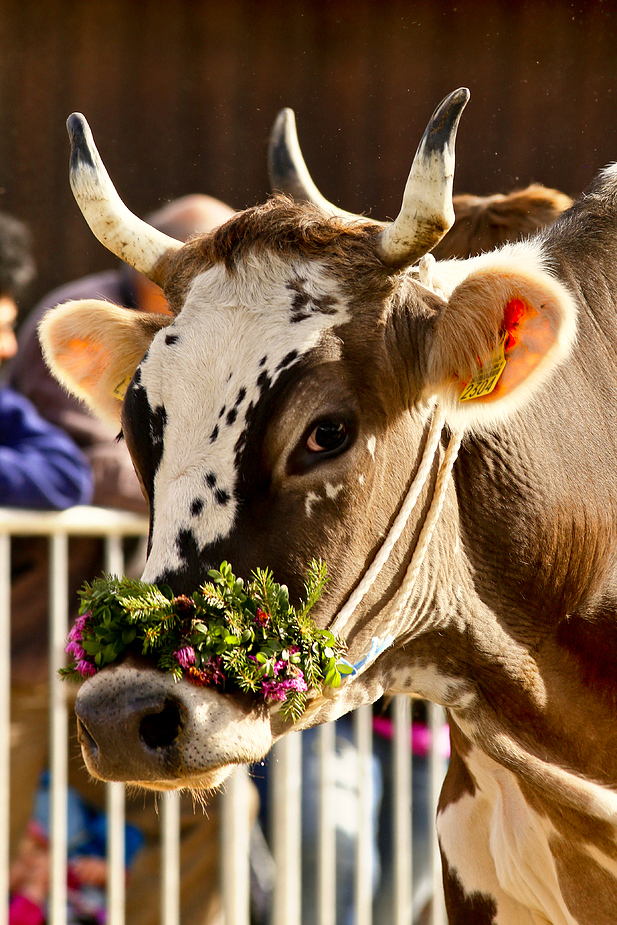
{"x": 86, "y": 740}
{"x": 159, "y": 730}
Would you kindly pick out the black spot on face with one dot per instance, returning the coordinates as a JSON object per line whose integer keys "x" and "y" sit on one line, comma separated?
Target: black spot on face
{"x": 214, "y": 434}
{"x": 221, "y": 496}
{"x": 158, "y": 420}
{"x": 210, "y": 479}
{"x": 263, "y": 361}
{"x": 197, "y": 507}
{"x": 291, "y": 356}
{"x": 188, "y": 576}
{"x": 171, "y": 339}
{"x": 264, "y": 381}
{"x": 304, "y": 304}
{"x": 240, "y": 397}
{"x": 231, "y": 417}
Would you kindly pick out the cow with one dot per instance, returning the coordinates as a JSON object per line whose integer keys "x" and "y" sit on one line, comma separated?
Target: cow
{"x": 442, "y": 435}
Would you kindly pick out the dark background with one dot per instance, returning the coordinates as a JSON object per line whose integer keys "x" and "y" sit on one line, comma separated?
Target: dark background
{"x": 181, "y": 96}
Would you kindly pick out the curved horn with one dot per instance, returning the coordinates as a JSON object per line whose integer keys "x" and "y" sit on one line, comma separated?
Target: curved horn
{"x": 125, "y": 235}
{"x": 427, "y": 213}
{"x": 287, "y": 168}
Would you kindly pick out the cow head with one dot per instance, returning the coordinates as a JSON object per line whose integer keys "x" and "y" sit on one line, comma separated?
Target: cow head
{"x": 280, "y": 416}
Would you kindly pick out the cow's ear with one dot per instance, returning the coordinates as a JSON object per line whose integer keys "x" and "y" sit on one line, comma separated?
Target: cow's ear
{"x": 94, "y": 348}
{"x": 500, "y": 334}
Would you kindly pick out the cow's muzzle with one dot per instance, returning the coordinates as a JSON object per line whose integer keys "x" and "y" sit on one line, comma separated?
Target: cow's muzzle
{"x": 138, "y": 725}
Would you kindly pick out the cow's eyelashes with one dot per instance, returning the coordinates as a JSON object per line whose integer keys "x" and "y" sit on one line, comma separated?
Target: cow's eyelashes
{"x": 328, "y": 437}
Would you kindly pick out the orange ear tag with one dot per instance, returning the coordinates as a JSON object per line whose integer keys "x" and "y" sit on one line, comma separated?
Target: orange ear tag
{"x": 485, "y": 380}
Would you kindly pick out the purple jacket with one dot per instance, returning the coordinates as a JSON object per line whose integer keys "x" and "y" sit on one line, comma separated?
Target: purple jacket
{"x": 40, "y": 466}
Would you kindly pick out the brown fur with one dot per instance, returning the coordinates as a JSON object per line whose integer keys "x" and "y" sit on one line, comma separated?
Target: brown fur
{"x": 485, "y": 222}
{"x": 288, "y": 229}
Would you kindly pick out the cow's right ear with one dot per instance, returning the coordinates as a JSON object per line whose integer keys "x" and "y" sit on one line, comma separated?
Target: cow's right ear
{"x": 93, "y": 348}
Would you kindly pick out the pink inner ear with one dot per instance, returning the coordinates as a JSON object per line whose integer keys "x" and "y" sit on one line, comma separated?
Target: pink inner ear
{"x": 512, "y": 317}
{"x": 530, "y": 337}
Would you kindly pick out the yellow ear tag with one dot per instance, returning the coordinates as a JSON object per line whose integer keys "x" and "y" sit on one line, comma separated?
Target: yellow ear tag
{"x": 120, "y": 390}
{"x": 487, "y": 378}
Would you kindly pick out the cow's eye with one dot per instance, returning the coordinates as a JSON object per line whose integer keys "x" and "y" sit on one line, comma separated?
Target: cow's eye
{"x": 327, "y": 437}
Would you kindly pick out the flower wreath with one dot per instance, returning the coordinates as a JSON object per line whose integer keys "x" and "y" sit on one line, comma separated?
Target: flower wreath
{"x": 226, "y": 635}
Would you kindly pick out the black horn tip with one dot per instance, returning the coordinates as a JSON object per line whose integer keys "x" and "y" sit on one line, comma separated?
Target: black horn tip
{"x": 281, "y": 166}
{"x": 79, "y": 133}
{"x": 441, "y": 130}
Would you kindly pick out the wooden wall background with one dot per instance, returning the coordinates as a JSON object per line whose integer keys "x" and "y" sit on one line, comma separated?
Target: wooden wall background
{"x": 181, "y": 95}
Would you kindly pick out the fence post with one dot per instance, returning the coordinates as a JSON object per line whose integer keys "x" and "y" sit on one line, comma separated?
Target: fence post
{"x": 235, "y": 841}
{"x": 58, "y": 612}
{"x": 402, "y": 822}
{"x": 286, "y": 780}
{"x": 170, "y": 857}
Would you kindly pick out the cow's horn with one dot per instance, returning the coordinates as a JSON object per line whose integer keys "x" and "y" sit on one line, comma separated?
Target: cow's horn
{"x": 125, "y": 235}
{"x": 427, "y": 213}
{"x": 287, "y": 168}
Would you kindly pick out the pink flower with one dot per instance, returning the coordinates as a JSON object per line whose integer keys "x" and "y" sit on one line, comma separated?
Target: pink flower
{"x": 76, "y": 650}
{"x": 76, "y": 632}
{"x": 85, "y": 669}
{"x": 278, "y": 690}
{"x": 185, "y": 656}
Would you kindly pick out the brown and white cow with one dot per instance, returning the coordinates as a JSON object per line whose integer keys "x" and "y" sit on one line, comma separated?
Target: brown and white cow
{"x": 290, "y": 410}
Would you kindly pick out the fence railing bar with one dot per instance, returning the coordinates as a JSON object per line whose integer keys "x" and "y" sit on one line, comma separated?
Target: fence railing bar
{"x": 326, "y": 831}
{"x": 115, "y": 792}
{"x": 402, "y": 822}
{"x": 75, "y": 521}
{"x": 437, "y": 766}
{"x": 5, "y": 720}
{"x": 58, "y": 559}
{"x": 363, "y": 734}
{"x": 286, "y": 780}
{"x": 235, "y": 845}
{"x": 170, "y": 858}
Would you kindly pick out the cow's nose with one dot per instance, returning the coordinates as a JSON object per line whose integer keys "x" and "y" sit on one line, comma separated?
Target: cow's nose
{"x": 130, "y": 736}
{"x": 158, "y": 728}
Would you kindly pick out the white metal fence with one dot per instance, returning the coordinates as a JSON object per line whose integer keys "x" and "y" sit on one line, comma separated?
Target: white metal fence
{"x": 342, "y": 788}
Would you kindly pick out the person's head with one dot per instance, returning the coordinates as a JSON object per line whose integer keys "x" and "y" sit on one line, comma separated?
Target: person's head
{"x": 17, "y": 269}
{"x": 180, "y": 219}
{"x": 485, "y": 222}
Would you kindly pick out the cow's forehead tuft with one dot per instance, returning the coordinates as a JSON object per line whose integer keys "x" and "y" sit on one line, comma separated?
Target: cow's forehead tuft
{"x": 204, "y": 391}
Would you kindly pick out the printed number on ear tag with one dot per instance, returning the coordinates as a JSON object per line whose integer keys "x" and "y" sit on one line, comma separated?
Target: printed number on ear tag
{"x": 487, "y": 378}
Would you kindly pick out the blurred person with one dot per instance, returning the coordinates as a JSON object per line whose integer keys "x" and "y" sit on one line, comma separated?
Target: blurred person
{"x": 115, "y": 485}
{"x": 40, "y": 466}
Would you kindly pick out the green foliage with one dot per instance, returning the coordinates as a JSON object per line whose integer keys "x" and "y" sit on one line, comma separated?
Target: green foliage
{"x": 226, "y": 635}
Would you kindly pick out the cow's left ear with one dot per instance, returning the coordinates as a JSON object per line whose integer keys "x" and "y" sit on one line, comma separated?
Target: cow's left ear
{"x": 498, "y": 337}
{"x": 94, "y": 348}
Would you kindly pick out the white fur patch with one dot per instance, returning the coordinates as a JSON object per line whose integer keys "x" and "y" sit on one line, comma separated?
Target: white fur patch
{"x": 309, "y": 502}
{"x": 228, "y": 325}
{"x": 432, "y": 684}
{"x": 505, "y": 852}
{"x": 371, "y": 443}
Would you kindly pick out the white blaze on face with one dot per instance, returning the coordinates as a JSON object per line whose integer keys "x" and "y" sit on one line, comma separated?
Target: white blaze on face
{"x": 235, "y": 332}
